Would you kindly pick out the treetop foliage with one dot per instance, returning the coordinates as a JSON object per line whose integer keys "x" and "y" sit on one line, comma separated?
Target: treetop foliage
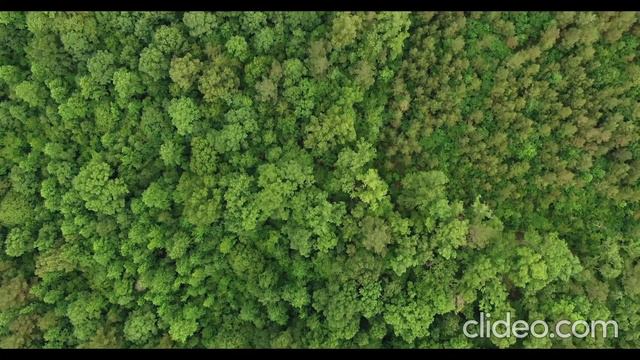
{"x": 316, "y": 179}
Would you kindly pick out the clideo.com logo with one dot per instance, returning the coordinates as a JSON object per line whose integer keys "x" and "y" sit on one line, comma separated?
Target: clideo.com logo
{"x": 563, "y": 329}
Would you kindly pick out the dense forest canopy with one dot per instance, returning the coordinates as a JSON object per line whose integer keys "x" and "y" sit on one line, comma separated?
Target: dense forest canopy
{"x": 329, "y": 179}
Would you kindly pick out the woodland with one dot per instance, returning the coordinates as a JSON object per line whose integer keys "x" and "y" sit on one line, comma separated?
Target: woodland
{"x": 316, "y": 179}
